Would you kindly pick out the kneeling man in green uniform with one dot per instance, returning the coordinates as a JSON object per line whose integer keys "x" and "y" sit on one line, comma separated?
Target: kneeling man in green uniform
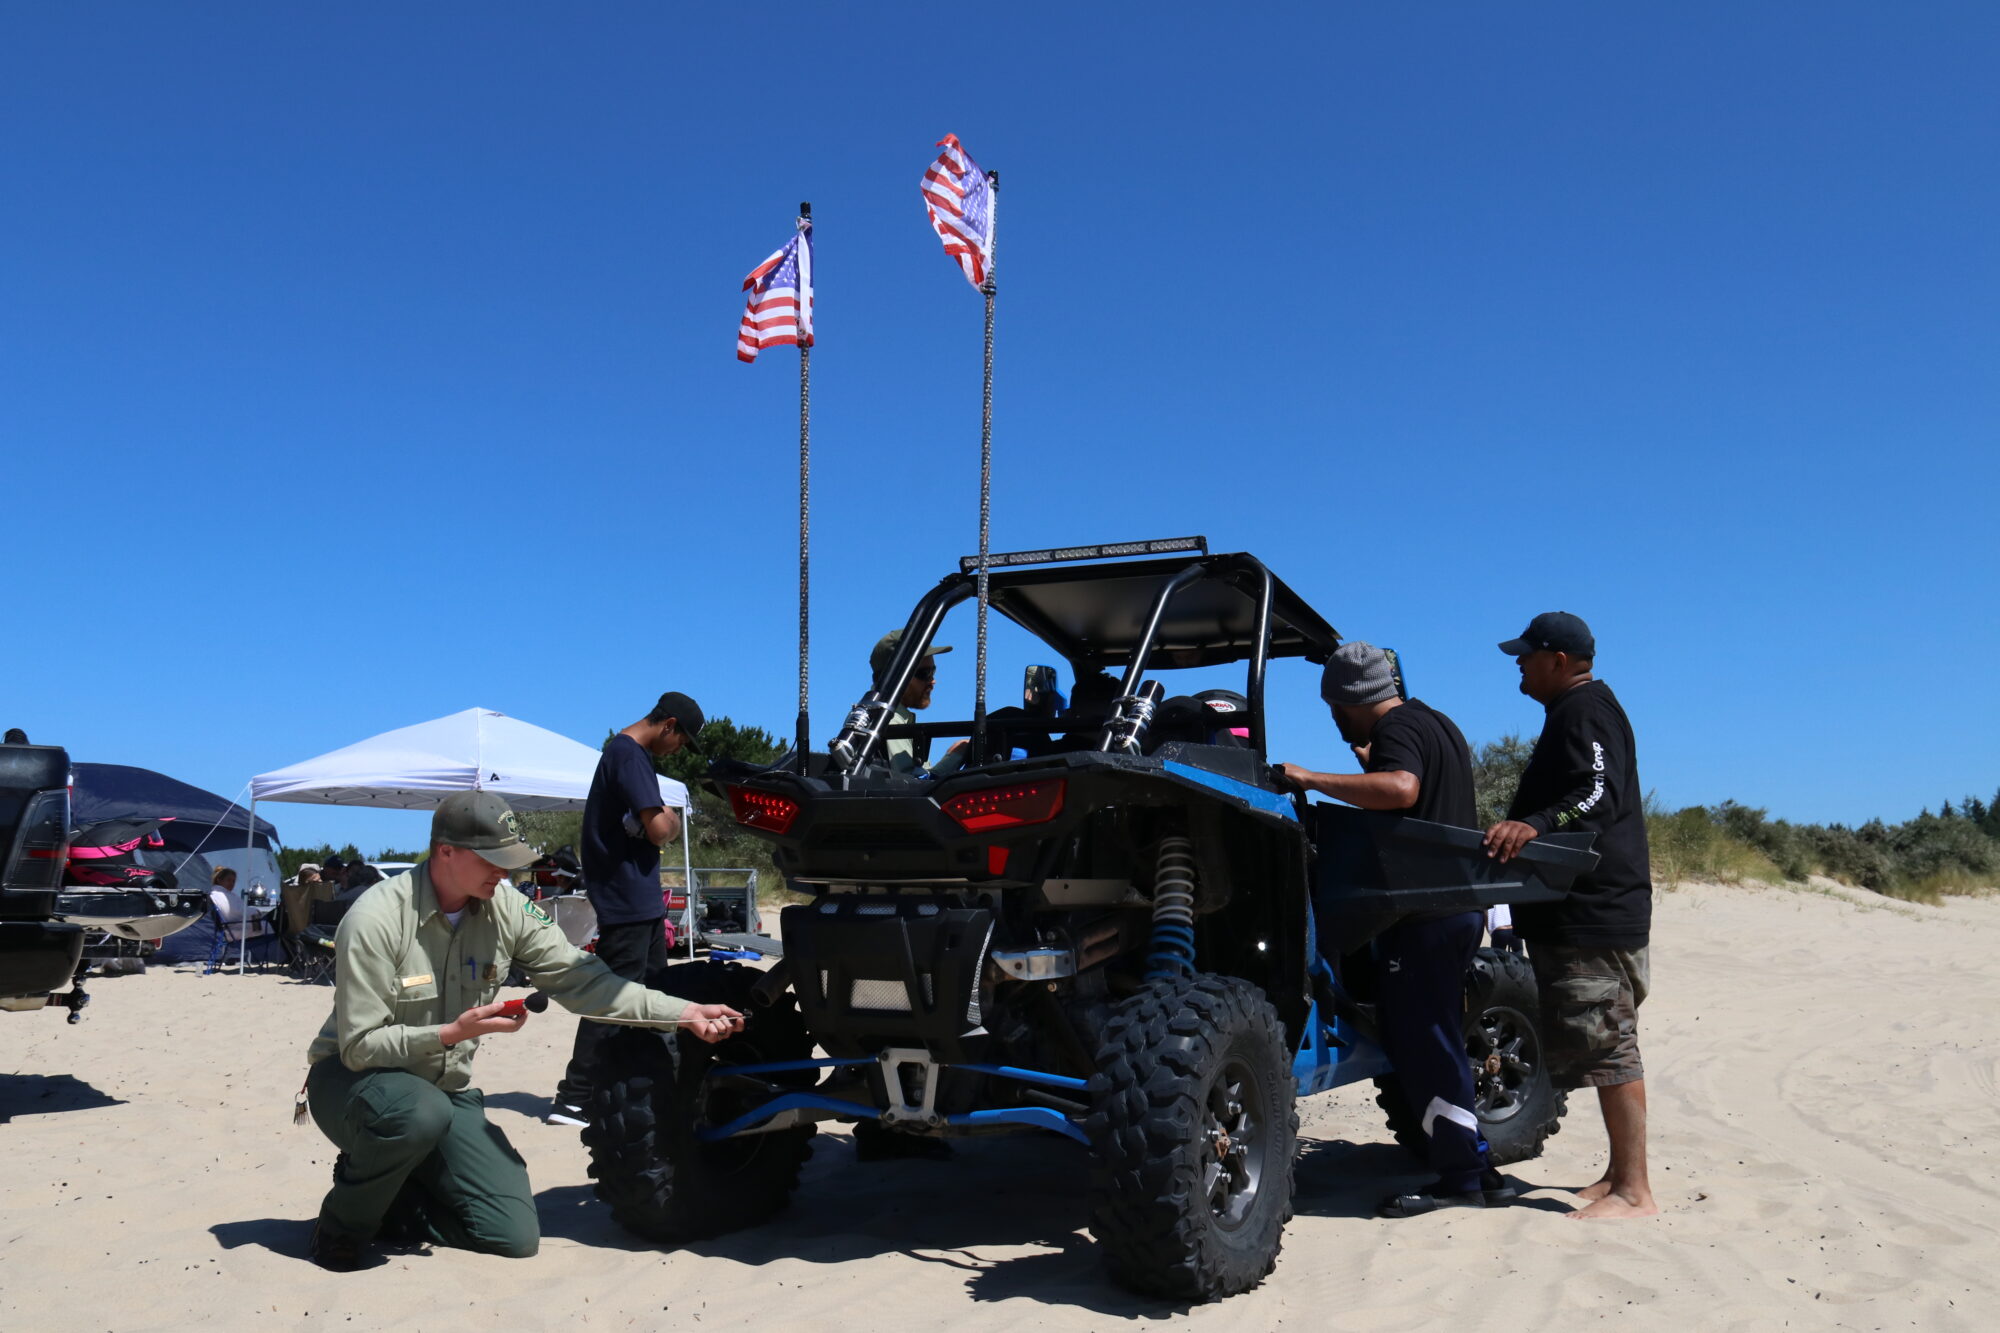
{"x": 419, "y": 959}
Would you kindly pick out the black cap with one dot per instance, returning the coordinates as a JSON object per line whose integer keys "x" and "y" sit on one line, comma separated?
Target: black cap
{"x": 1557, "y": 631}
{"x": 686, "y": 714}
{"x": 885, "y": 648}
{"x": 334, "y": 863}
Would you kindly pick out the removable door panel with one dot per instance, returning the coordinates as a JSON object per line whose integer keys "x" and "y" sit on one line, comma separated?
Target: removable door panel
{"x": 1373, "y": 870}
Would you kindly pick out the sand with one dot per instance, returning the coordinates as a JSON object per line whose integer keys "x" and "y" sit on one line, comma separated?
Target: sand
{"x": 1821, "y": 1067}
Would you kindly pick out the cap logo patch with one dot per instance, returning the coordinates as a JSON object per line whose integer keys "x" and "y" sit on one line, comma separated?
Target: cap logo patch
{"x": 512, "y": 825}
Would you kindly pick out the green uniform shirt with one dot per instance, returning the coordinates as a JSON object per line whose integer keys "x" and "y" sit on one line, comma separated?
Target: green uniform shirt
{"x": 402, "y": 972}
{"x": 901, "y": 751}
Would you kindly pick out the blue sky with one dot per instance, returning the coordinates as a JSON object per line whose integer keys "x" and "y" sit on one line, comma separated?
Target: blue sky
{"x": 362, "y": 364}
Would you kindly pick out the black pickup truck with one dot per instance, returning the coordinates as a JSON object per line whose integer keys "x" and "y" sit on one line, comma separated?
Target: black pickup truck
{"x": 39, "y": 953}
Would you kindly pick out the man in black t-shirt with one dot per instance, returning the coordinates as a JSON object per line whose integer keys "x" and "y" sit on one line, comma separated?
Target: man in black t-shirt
{"x": 625, "y": 822}
{"x": 1590, "y": 950}
{"x": 1417, "y": 765}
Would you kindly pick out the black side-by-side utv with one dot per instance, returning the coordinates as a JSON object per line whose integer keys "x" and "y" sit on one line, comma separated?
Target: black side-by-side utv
{"x": 1110, "y": 923}
{"x": 39, "y": 952}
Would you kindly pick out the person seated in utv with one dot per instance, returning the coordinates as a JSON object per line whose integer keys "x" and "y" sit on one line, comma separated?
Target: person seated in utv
{"x": 911, "y": 754}
{"x": 1417, "y": 764}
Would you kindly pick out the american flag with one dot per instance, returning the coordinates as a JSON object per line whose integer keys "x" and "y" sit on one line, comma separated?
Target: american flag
{"x": 960, "y": 204}
{"x": 780, "y": 309}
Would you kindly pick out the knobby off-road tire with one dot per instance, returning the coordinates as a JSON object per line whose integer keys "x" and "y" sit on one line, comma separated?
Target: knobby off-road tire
{"x": 1518, "y": 1107}
{"x": 1192, "y": 1135}
{"x": 651, "y": 1094}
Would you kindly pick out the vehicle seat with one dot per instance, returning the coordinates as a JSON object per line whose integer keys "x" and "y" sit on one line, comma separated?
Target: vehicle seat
{"x": 1211, "y": 717}
{"x": 1089, "y": 709}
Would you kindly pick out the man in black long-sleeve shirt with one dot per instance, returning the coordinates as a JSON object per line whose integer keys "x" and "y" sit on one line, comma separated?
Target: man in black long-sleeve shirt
{"x": 1589, "y": 949}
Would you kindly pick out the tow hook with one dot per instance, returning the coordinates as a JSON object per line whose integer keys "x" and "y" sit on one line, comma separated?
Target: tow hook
{"x": 73, "y": 1000}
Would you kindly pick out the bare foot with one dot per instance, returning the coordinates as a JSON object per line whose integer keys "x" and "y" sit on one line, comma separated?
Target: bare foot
{"x": 1614, "y": 1205}
{"x": 1592, "y": 1193}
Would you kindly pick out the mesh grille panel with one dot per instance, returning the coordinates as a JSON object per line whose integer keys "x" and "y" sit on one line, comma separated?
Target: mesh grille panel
{"x": 879, "y": 995}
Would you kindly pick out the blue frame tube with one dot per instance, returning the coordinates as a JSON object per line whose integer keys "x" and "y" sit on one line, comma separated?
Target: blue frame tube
{"x": 786, "y": 1066}
{"x": 789, "y": 1101}
{"x": 1027, "y": 1076}
{"x": 1041, "y": 1117}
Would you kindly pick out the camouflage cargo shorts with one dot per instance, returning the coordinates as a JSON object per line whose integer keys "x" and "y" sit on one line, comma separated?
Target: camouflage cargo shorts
{"x": 1590, "y": 1012}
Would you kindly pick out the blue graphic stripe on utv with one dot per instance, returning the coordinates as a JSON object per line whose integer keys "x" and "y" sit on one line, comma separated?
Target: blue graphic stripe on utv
{"x": 1270, "y": 802}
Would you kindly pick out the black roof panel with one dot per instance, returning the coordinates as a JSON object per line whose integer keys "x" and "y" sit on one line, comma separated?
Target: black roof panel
{"x": 1095, "y": 614}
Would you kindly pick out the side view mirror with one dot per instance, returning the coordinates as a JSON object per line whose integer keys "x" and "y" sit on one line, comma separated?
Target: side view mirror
{"x": 1039, "y": 695}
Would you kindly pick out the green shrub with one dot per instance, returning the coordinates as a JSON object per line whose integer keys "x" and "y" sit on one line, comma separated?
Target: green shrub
{"x": 1496, "y": 771}
{"x": 1955, "y": 851}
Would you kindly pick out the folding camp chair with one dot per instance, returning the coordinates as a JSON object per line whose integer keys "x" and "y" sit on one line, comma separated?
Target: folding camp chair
{"x": 315, "y": 955}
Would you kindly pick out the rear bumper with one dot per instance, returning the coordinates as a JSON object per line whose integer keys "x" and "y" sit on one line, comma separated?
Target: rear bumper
{"x": 132, "y": 914}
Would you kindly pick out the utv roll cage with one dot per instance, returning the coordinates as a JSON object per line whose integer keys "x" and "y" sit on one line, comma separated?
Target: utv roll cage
{"x": 1209, "y": 610}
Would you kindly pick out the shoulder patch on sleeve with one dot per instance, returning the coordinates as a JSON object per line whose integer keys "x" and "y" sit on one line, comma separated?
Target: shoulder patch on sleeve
{"x": 537, "y": 913}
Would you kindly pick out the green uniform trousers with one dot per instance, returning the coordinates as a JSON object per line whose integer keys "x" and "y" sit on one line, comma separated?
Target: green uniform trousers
{"x": 427, "y": 1155}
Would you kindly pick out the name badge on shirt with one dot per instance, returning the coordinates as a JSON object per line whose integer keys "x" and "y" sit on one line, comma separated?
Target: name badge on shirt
{"x": 421, "y": 979}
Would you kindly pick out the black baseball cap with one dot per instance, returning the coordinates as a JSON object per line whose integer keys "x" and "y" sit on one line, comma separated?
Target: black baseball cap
{"x": 483, "y": 822}
{"x": 1557, "y": 631}
{"x": 686, "y": 714}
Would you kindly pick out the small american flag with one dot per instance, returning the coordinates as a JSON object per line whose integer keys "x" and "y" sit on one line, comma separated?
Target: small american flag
{"x": 960, "y": 204}
{"x": 780, "y": 309}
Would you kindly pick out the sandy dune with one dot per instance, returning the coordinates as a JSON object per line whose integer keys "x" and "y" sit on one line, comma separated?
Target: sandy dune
{"x": 1822, "y": 1070}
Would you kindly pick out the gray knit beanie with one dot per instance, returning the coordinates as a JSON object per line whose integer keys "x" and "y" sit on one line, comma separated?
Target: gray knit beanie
{"x": 1357, "y": 673}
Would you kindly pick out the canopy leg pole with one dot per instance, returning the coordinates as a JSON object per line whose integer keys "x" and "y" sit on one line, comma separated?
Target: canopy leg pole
{"x": 249, "y": 861}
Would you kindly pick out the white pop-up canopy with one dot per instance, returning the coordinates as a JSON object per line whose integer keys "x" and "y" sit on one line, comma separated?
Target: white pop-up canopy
{"x": 415, "y": 768}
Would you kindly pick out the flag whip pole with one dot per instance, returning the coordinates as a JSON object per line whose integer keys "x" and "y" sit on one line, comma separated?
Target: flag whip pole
{"x": 802, "y": 740}
{"x": 986, "y": 458}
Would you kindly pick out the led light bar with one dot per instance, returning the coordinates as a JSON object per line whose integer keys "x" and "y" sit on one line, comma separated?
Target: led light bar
{"x": 1058, "y": 555}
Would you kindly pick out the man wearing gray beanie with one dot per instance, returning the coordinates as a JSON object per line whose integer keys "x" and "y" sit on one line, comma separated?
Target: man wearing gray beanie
{"x": 1416, "y": 764}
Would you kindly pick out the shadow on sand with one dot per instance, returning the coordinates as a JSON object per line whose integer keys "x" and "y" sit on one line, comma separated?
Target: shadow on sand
{"x": 1341, "y": 1179}
{"x": 521, "y": 1103}
{"x": 48, "y": 1094}
{"x": 993, "y": 1194}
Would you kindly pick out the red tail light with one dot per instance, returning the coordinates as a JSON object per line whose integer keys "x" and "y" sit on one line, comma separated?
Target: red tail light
{"x": 762, "y": 809}
{"x": 1006, "y": 807}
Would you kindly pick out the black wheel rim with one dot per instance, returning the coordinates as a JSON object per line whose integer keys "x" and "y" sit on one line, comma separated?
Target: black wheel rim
{"x": 1236, "y": 1121}
{"x": 1506, "y": 1056}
